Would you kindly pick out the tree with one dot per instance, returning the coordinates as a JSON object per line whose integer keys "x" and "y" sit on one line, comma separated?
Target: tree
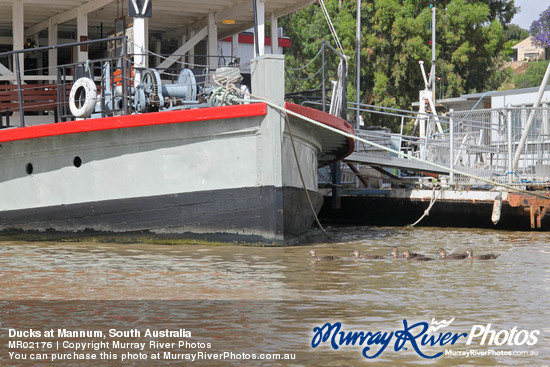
{"x": 513, "y": 32}
{"x": 396, "y": 35}
{"x": 540, "y": 29}
{"x": 533, "y": 75}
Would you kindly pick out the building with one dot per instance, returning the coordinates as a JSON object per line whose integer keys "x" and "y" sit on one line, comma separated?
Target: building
{"x": 527, "y": 51}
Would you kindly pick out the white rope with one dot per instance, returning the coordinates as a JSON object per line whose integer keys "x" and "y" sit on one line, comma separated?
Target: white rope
{"x": 427, "y": 211}
{"x": 331, "y": 27}
{"x": 309, "y": 63}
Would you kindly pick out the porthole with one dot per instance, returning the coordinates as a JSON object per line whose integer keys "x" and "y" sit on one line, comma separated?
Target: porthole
{"x": 77, "y": 161}
{"x": 29, "y": 169}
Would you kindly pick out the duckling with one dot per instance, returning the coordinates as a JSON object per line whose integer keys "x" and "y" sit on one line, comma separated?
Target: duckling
{"x": 411, "y": 256}
{"x": 395, "y": 253}
{"x": 314, "y": 256}
{"x": 443, "y": 255}
{"x": 356, "y": 255}
{"x": 471, "y": 256}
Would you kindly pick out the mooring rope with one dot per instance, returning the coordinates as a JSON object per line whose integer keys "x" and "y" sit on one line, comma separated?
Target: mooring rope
{"x": 427, "y": 211}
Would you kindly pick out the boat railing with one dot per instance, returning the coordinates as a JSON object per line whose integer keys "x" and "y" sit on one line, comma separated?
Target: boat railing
{"x": 47, "y": 88}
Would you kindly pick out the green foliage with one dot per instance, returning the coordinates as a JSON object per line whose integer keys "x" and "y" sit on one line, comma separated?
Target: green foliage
{"x": 396, "y": 34}
{"x": 513, "y": 32}
{"x": 533, "y": 75}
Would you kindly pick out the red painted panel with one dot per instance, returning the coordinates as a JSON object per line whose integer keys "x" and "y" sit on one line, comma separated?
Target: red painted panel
{"x": 128, "y": 121}
{"x": 327, "y": 119}
{"x": 249, "y": 38}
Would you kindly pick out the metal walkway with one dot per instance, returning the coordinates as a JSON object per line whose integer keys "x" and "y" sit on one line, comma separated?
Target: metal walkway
{"x": 393, "y": 162}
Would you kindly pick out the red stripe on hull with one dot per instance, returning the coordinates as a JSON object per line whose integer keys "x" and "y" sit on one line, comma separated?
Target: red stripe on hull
{"x": 128, "y": 121}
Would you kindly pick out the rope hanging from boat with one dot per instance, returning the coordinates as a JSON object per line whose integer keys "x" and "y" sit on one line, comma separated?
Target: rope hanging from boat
{"x": 427, "y": 211}
{"x": 230, "y": 94}
{"x": 302, "y": 177}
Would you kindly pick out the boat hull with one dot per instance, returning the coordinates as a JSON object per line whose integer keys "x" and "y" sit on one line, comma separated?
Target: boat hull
{"x": 231, "y": 172}
{"x": 229, "y": 178}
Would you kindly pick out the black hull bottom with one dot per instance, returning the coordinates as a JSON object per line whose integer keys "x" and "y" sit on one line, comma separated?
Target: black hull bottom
{"x": 258, "y": 214}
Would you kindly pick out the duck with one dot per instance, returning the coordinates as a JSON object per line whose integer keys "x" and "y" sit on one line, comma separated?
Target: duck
{"x": 443, "y": 255}
{"x": 412, "y": 256}
{"x": 471, "y": 256}
{"x": 395, "y": 253}
{"x": 357, "y": 255}
{"x": 314, "y": 256}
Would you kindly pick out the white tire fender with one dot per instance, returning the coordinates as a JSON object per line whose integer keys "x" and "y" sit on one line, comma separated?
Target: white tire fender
{"x": 82, "y": 98}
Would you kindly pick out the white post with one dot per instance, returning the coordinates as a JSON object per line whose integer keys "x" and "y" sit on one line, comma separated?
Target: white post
{"x": 52, "y": 40}
{"x": 139, "y": 48}
{"x": 191, "y": 53}
{"x": 261, "y": 27}
{"x": 182, "y": 41}
{"x": 545, "y": 122}
{"x": 146, "y": 43}
{"x": 531, "y": 117}
{"x": 358, "y": 64}
{"x": 18, "y": 25}
{"x": 451, "y": 148}
{"x": 433, "y": 58}
{"x": 82, "y": 35}
{"x": 212, "y": 42}
{"x": 234, "y": 45}
{"x": 274, "y": 34}
{"x": 158, "y": 50}
{"x": 509, "y": 136}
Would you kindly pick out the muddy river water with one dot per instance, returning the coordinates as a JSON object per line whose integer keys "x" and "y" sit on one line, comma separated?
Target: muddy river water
{"x": 270, "y": 305}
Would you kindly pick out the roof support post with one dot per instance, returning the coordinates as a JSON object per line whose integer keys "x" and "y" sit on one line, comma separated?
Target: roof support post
{"x": 191, "y": 53}
{"x": 234, "y": 45}
{"x": 274, "y": 34}
{"x": 18, "y": 27}
{"x": 82, "y": 35}
{"x": 53, "y": 29}
{"x": 158, "y": 51}
{"x": 139, "y": 49}
{"x": 260, "y": 15}
{"x": 182, "y": 41}
{"x": 212, "y": 42}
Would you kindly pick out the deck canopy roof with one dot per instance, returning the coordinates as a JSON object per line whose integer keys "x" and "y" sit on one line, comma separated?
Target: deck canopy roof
{"x": 171, "y": 18}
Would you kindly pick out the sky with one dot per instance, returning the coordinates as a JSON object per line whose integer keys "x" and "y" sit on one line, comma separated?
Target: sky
{"x": 529, "y": 12}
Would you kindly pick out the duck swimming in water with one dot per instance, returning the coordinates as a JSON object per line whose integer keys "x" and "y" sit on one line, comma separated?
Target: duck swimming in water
{"x": 412, "y": 256}
{"x": 357, "y": 255}
{"x": 395, "y": 253}
{"x": 471, "y": 256}
{"x": 443, "y": 255}
{"x": 314, "y": 256}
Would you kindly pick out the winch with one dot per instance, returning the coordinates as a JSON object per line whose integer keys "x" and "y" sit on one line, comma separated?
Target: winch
{"x": 151, "y": 95}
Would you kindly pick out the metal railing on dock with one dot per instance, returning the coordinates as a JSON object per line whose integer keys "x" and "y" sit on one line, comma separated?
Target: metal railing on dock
{"x": 480, "y": 142}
